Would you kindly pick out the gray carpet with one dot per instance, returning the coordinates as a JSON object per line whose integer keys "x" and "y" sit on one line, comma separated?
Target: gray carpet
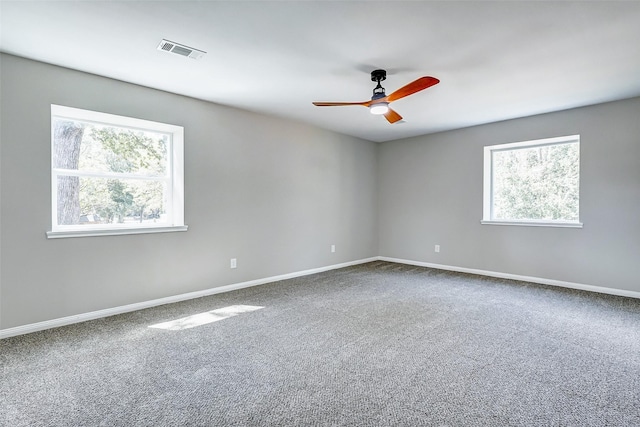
{"x": 378, "y": 344}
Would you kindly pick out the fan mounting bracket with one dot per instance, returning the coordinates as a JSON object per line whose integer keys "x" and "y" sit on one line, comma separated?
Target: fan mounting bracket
{"x": 378, "y": 75}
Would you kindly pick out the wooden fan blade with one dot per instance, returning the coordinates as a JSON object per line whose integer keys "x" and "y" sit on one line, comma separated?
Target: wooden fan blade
{"x": 392, "y": 116}
{"x": 338, "y": 104}
{"x": 413, "y": 87}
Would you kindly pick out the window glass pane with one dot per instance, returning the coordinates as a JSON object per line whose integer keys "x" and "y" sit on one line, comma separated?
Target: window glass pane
{"x": 90, "y": 147}
{"x": 114, "y": 174}
{"x": 119, "y": 202}
{"x": 536, "y": 183}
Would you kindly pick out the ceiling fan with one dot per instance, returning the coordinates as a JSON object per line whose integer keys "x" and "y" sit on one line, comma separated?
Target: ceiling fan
{"x": 379, "y": 103}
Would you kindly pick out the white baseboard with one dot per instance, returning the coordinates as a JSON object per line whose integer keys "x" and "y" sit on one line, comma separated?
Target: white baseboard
{"x": 560, "y": 283}
{"x": 63, "y": 321}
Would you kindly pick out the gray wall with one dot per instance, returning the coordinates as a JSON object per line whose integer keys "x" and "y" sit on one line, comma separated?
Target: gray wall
{"x": 272, "y": 193}
{"x": 430, "y": 192}
{"x": 276, "y": 194}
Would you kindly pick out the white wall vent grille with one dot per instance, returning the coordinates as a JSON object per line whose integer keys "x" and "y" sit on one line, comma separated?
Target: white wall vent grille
{"x": 180, "y": 49}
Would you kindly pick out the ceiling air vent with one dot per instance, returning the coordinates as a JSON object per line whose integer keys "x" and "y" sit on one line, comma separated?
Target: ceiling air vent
{"x": 180, "y": 49}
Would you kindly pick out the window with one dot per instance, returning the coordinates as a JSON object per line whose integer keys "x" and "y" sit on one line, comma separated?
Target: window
{"x": 114, "y": 175}
{"x": 533, "y": 182}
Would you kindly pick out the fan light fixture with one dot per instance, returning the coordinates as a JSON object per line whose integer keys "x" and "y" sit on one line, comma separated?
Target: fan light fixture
{"x": 379, "y": 108}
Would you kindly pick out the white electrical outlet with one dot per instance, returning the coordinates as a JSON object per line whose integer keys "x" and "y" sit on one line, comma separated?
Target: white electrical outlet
{"x": 234, "y": 263}
{"x": 333, "y": 248}
{"x": 437, "y": 248}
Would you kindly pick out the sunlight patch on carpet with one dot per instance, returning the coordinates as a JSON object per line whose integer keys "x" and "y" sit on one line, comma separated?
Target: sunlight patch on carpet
{"x": 205, "y": 318}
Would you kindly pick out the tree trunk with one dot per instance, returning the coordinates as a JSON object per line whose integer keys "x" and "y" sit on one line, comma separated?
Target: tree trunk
{"x": 67, "y": 140}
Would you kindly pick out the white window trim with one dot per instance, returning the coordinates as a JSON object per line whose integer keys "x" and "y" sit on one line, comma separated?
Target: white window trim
{"x": 114, "y": 231}
{"x": 487, "y": 195}
{"x": 563, "y": 224}
{"x": 175, "y": 179}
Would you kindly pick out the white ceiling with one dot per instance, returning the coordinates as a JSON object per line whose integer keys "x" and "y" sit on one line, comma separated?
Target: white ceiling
{"x": 496, "y": 60}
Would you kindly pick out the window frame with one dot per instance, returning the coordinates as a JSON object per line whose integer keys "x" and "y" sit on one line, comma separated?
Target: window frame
{"x": 174, "y": 180}
{"x": 487, "y": 191}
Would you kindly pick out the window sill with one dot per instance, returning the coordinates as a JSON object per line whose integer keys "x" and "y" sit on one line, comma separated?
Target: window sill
{"x": 535, "y": 223}
{"x": 113, "y": 232}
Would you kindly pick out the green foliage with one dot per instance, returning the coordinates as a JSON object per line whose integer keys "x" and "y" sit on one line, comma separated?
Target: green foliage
{"x": 127, "y": 151}
{"x": 122, "y": 151}
{"x": 538, "y": 183}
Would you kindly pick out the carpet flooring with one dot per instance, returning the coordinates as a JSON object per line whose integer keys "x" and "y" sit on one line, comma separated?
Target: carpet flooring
{"x": 378, "y": 344}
